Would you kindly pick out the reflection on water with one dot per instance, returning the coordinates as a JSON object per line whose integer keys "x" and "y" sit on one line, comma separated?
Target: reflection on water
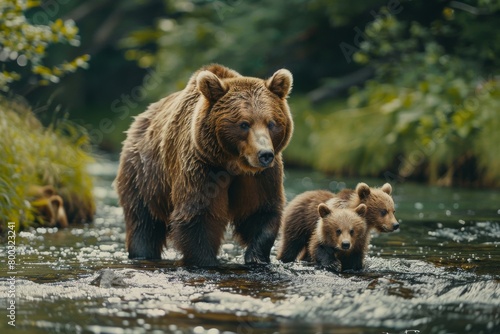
{"x": 439, "y": 274}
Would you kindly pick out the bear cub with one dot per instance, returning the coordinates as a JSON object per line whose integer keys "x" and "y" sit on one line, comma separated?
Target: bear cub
{"x": 48, "y": 206}
{"x": 380, "y": 205}
{"x": 338, "y": 240}
{"x": 301, "y": 216}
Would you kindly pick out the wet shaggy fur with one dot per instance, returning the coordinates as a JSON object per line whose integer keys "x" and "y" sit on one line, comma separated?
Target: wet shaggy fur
{"x": 300, "y": 218}
{"x": 339, "y": 239}
{"x": 203, "y": 157}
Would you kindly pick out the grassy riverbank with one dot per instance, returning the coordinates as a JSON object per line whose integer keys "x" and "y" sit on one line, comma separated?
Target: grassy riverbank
{"x": 34, "y": 155}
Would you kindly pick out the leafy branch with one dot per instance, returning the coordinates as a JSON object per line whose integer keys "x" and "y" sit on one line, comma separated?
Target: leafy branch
{"x": 25, "y": 44}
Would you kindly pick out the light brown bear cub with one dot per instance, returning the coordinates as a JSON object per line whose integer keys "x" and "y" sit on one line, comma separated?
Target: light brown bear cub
{"x": 204, "y": 157}
{"x": 338, "y": 241}
{"x": 48, "y": 206}
{"x": 380, "y": 205}
{"x": 300, "y": 216}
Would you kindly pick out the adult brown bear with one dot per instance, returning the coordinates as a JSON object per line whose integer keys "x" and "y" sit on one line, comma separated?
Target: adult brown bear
{"x": 203, "y": 157}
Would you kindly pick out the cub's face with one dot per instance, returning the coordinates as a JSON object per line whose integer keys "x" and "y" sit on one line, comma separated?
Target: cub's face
{"x": 251, "y": 119}
{"x": 340, "y": 228}
{"x": 384, "y": 215}
{"x": 380, "y": 213}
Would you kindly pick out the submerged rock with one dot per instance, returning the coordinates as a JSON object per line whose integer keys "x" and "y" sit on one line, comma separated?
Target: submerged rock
{"x": 107, "y": 278}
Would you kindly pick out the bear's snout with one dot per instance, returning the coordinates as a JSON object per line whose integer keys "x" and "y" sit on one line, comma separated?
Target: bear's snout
{"x": 266, "y": 157}
{"x": 346, "y": 245}
{"x": 395, "y": 226}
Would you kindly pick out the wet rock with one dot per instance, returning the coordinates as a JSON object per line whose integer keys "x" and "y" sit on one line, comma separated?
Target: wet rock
{"x": 108, "y": 278}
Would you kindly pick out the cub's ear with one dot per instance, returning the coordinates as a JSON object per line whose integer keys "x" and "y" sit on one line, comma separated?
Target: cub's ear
{"x": 280, "y": 83}
{"x": 361, "y": 210}
{"x": 387, "y": 188}
{"x": 210, "y": 86}
{"x": 323, "y": 210}
{"x": 48, "y": 191}
{"x": 362, "y": 190}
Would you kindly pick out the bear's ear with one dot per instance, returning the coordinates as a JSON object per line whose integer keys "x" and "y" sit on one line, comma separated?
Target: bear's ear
{"x": 48, "y": 191}
{"x": 280, "y": 83}
{"x": 361, "y": 210}
{"x": 362, "y": 190}
{"x": 387, "y": 188}
{"x": 323, "y": 210}
{"x": 210, "y": 86}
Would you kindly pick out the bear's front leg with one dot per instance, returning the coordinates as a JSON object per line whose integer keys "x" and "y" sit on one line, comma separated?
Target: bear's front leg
{"x": 199, "y": 218}
{"x": 258, "y": 232}
{"x": 145, "y": 235}
{"x": 325, "y": 257}
{"x": 354, "y": 261}
{"x": 198, "y": 238}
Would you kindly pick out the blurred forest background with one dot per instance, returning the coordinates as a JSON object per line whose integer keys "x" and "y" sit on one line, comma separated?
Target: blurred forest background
{"x": 403, "y": 90}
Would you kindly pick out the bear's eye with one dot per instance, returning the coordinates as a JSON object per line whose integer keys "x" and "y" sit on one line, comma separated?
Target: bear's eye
{"x": 245, "y": 125}
{"x": 352, "y": 232}
{"x": 339, "y": 232}
{"x": 383, "y": 212}
{"x": 271, "y": 125}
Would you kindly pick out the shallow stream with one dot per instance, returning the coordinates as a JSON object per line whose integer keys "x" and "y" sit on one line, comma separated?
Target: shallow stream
{"x": 439, "y": 274}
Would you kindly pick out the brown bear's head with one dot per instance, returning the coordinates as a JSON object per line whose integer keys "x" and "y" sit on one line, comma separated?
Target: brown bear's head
{"x": 51, "y": 210}
{"x": 242, "y": 122}
{"x": 380, "y": 212}
{"x": 339, "y": 228}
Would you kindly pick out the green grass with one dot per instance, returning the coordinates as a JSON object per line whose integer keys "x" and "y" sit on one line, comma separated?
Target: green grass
{"x": 31, "y": 154}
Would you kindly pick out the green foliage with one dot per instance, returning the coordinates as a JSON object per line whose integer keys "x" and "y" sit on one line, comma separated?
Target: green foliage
{"x": 33, "y": 155}
{"x": 23, "y": 43}
{"x": 344, "y": 142}
{"x": 253, "y": 37}
{"x": 345, "y": 12}
{"x": 429, "y": 113}
{"x": 396, "y": 136}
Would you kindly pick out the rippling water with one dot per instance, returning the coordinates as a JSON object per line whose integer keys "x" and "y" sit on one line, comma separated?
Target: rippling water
{"x": 439, "y": 274}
